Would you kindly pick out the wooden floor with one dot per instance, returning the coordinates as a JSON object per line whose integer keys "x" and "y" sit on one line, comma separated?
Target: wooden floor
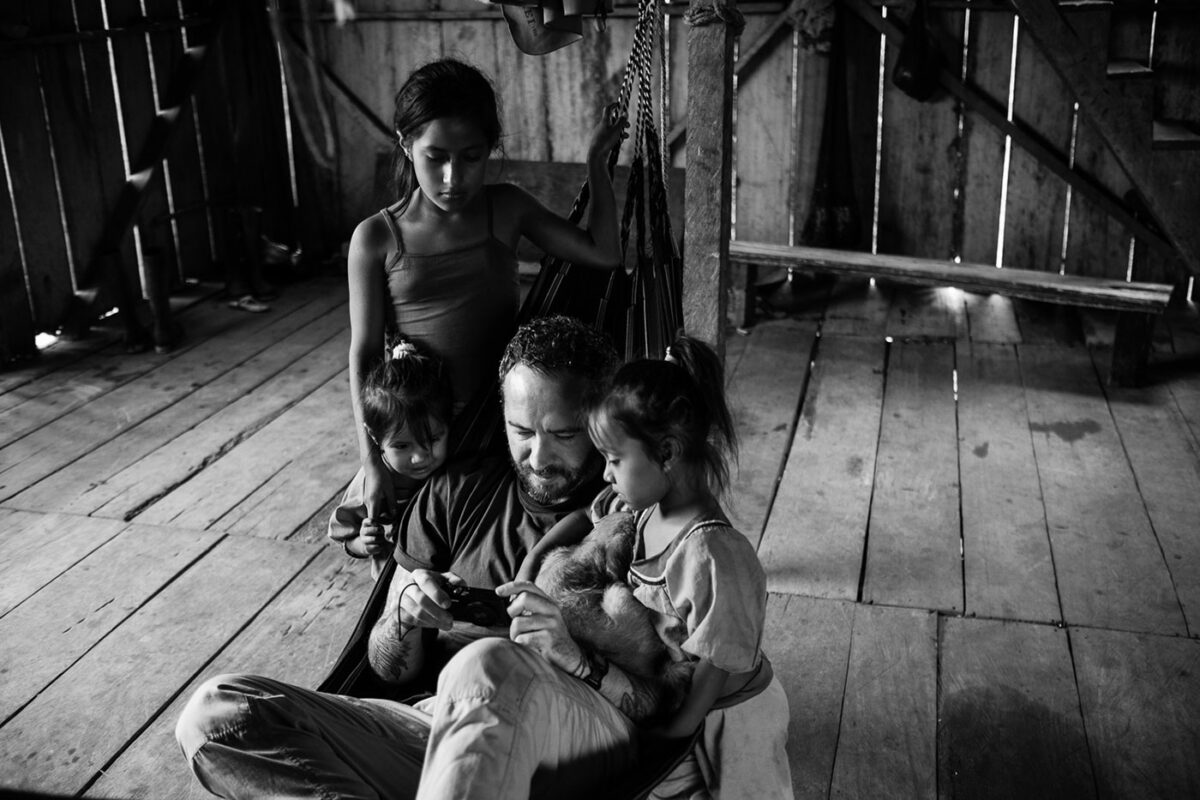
{"x": 984, "y": 563}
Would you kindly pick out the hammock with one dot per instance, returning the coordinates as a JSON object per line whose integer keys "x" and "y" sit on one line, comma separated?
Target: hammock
{"x": 638, "y": 306}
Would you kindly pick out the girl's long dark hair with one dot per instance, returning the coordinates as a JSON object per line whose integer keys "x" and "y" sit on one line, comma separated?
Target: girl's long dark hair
{"x": 682, "y": 399}
{"x": 406, "y": 390}
{"x": 439, "y": 90}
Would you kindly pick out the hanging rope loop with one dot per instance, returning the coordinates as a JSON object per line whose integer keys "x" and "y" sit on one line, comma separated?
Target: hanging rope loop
{"x": 710, "y": 12}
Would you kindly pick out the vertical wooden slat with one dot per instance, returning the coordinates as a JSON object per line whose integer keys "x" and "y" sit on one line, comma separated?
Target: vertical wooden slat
{"x": 16, "y": 319}
{"x": 138, "y": 109}
{"x": 764, "y": 141}
{"x": 918, "y": 173}
{"x": 183, "y": 158}
{"x": 989, "y": 54}
{"x": 1097, "y": 244}
{"x": 860, "y": 43}
{"x": 707, "y": 194}
{"x": 1036, "y": 198}
{"x": 76, "y": 132}
{"x": 103, "y": 127}
{"x": 31, "y": 176}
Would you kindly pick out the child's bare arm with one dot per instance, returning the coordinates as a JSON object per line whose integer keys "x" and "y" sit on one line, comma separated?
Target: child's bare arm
{"x": 571, "y": 529}
{"x": 707, "y": 684}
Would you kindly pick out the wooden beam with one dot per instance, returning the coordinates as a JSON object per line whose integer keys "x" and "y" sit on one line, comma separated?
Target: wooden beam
{"x": 1051, "y": 287}
{"x": 1085, "y": 78}
{"x": 708, "y": 190}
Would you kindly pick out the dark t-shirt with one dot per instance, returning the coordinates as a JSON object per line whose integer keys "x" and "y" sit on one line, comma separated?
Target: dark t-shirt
{"x": 476, "y": 521}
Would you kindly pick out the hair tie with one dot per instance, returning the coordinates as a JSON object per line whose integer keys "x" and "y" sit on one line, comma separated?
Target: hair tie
{"x": 404, "y": 349}
{"x": 670, "y": 356}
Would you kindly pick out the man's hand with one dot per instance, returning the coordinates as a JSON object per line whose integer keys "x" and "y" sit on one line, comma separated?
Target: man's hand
{"x": 424, "y": 602}
{"x": 538, "y": 624}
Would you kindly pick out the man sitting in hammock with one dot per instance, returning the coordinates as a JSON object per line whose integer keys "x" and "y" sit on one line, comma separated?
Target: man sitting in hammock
{"x": 504, "y": 715}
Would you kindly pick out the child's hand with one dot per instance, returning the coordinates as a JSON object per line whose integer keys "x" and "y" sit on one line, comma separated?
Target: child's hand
{"x": 373, "y": 537}
{"x": 609, "y": 131}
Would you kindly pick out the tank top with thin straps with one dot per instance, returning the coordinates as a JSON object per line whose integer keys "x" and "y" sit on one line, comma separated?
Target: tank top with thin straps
{"x": 461, "y": 304}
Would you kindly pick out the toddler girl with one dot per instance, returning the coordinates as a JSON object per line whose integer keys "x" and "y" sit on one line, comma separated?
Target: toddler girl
{"x": 666, "y": 434}
{"x": 406, "y": 407}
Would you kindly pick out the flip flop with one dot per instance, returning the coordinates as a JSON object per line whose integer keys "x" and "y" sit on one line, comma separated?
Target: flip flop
{"x": 248, "y": 302}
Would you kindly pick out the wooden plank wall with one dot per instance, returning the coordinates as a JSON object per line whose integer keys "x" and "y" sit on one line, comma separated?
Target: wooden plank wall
{"x": 946, "y": 186}
{"x": 83, "y": 81}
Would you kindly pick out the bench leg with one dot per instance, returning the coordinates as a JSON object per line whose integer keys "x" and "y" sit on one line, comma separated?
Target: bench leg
{"x": 1131, "y": 348}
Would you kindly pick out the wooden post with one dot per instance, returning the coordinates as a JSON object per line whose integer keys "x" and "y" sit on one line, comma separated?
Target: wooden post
{"x": 707, "y": 193}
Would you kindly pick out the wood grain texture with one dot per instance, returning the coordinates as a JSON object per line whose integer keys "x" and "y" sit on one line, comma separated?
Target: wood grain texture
{"x": 1138, "y": 693}
{"x": 814, "y": 539}
{"x": 1029, "y": 284}
{"x": 1007, "y": 564}
{"x": 70, "y": 731}
{"x": 64, "y": 620}
{"x": 1010, "y": 724}
{"x": 208, "y": 496}
{"x": 1110, "y": 568}
{"x": 123, "y": 475}
{"x": 808, "y": 642}
{"x": 913, "y": 545}
{"x": 763, "y": 395}
{"x": 37, "y": 548}
{"x": 313, "y": 616}
{"x": 1166, "y": 462}
{"x": 889, "y": 714}
{"x": 54, "y": 446}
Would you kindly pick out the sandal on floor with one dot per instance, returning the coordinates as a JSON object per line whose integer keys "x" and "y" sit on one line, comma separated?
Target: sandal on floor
{"x": 248, "y": 302}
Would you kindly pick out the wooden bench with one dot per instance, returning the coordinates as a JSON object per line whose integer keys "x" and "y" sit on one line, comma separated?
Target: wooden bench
{"x": 1136, "y": 303}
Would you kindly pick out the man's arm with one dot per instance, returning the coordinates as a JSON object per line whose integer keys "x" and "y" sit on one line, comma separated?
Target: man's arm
{"x": 416, "y": 600}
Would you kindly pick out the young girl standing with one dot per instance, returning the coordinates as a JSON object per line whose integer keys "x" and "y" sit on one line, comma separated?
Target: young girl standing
{"x": 406, "y": 408}
{"x": 666, "y": 434}
{"x": 439, "y": 264}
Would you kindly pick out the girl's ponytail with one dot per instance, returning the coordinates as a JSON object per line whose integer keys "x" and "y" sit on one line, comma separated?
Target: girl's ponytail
{"x": 408, "y": 388}
{"x": 704, "y": 367}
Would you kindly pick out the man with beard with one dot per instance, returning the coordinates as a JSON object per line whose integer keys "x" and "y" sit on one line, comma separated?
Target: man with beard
{"x": 532, "y": 715}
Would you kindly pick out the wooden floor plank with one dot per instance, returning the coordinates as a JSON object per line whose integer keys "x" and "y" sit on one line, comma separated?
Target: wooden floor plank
{"x": 70, "y": 731}
{"x": 75, "y": 384}
{"x": 37, "y": 548}
{"x": 1007, "y": 565}
{"x": 1138, "y": 693}
{"x": 1109, "y": 567}
{"x": 921, "y": 312}
{"x": 813, "y": 541}
{"x": 126, "y": 473}
{"x": 211, "y": 494}
{"x": 1166, "y": 462}
{"x": 81, "y": 606}
{"x": 914, "y": 553}
{"x": 306, "y": 484}
{"x": 856, "y": 308}
{"x": 1043, "y": 323}
{"x": 889, "y": 718}
{"x": 313, "y": 616}
{"x": 808, "y": 642}
{"x": 991, "y": 318}
{"x": 53, "y": 446}
{"x": 104, "y": 334}
{"x": 1010, "y": 721}
{"x": 763, "y": 396}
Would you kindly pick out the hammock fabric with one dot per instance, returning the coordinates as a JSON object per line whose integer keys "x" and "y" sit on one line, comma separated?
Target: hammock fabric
{"x": 639, "y": 307}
